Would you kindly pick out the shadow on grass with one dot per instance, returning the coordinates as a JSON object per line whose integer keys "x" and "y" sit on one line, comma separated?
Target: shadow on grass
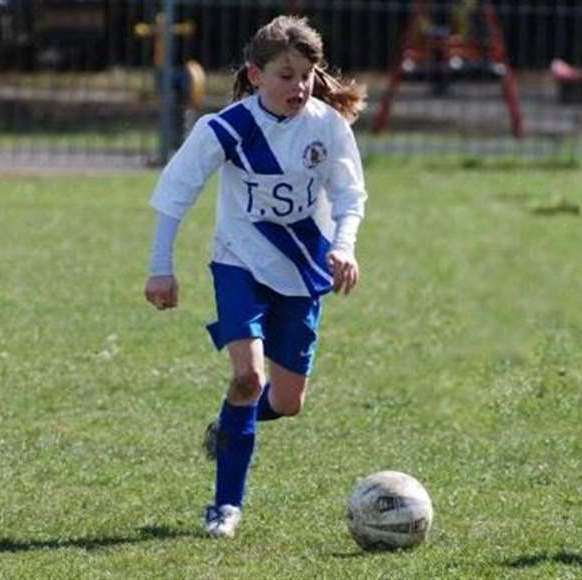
{"x": 502, "y": 163}
{"x": 349, "y": 555}
{"x": 529, "y": 561}
{"x": 144, "y": 534}
{"x": 564, "y": 163}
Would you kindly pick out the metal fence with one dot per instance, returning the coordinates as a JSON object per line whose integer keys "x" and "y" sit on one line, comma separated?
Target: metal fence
{"x": 109, "y": 82}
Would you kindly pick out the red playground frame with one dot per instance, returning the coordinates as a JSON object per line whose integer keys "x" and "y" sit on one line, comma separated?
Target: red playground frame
{"x": 441, "y": 55}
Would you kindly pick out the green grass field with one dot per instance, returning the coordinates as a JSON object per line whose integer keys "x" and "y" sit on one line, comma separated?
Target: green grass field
{"x": 458, "y": 360}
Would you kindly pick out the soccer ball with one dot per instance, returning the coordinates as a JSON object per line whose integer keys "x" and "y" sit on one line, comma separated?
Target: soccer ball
{"x": 389, "y": 510}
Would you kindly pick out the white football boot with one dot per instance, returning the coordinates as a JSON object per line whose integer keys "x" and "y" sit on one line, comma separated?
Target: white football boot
{"x": 222, "y": 521}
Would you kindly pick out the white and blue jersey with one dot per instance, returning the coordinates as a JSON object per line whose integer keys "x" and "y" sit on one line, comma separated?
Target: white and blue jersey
{"x": 284, "y": 185}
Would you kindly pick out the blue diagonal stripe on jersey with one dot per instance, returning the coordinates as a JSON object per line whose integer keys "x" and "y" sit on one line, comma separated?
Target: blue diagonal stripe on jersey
{"x": 279, "y": 236}
{"x": 311, "y": 237}
{"x": 254, "y": 145}
{"x": 228, "y": 143}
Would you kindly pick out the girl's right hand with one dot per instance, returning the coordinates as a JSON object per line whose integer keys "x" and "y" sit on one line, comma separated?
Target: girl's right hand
{"x": 162, "y": 291}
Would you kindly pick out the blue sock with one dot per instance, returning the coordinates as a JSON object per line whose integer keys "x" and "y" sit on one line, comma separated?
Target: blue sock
{"x": 264, "y": 410}
{"x": 236, "y": 441}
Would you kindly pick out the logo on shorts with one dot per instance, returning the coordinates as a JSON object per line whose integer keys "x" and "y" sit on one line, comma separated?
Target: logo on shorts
{"x": 314, "y": 154}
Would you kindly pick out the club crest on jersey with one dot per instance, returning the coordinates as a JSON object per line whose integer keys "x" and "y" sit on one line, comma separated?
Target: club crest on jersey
{"x": 314, "y": 154}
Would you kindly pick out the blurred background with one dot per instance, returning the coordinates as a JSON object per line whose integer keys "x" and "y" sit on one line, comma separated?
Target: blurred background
{"x": 118, "y": 83}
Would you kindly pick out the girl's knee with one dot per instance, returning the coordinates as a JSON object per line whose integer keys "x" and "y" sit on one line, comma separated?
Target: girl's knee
{"x": 293, "y": 409}
{"x": 290, "y": 406}
{"x": 247, "y": 385}
{"x": 288, "y": 391}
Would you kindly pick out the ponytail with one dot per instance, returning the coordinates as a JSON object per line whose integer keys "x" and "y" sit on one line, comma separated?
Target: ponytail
{"x": 241, "y": 85}
{"x": 348, "y": 98}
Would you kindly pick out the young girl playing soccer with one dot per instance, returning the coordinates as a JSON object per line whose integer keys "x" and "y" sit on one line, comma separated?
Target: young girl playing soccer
{"x": 291, "y": 200}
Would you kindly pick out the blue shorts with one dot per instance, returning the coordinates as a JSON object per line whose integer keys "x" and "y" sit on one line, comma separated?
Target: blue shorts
{"x": 246, "y": 309}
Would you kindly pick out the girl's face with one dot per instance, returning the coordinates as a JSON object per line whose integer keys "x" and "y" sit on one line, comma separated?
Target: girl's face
{"x": 284, "y": 83}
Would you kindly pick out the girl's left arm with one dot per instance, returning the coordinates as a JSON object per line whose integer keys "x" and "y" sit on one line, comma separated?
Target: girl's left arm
{"x": 347, "y": 193}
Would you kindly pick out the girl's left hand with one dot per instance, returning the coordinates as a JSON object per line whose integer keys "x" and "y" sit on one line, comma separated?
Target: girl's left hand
{"x": 344, "y": 267}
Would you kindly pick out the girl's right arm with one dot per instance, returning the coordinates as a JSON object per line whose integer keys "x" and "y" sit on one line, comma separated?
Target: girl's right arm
{"x": 186, "y": 174}
{"x": 162, "y": 287}
{"x": 178, "y": 189}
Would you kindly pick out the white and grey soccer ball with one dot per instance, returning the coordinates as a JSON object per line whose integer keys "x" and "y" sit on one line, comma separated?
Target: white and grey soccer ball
{"x": 389, "y": 510}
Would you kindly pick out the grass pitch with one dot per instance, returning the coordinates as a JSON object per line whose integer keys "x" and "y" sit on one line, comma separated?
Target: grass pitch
{"x": 457, "y": 360}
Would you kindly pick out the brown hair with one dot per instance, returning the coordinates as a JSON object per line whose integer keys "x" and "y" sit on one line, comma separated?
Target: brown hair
{"x": 291, "y": 32}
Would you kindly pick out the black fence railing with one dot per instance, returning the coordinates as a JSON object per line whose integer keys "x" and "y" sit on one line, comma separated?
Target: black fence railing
{"x": 110, "y": 81}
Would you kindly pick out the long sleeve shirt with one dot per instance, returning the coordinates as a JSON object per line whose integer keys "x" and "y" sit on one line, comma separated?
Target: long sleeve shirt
{"x": 291, "y": 189}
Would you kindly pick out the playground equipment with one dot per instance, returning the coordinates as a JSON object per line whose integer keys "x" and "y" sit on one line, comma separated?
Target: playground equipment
{"x": 460, "y": 41}
{"x": 186, "y": 89}
{"x": 569, "y": 80}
